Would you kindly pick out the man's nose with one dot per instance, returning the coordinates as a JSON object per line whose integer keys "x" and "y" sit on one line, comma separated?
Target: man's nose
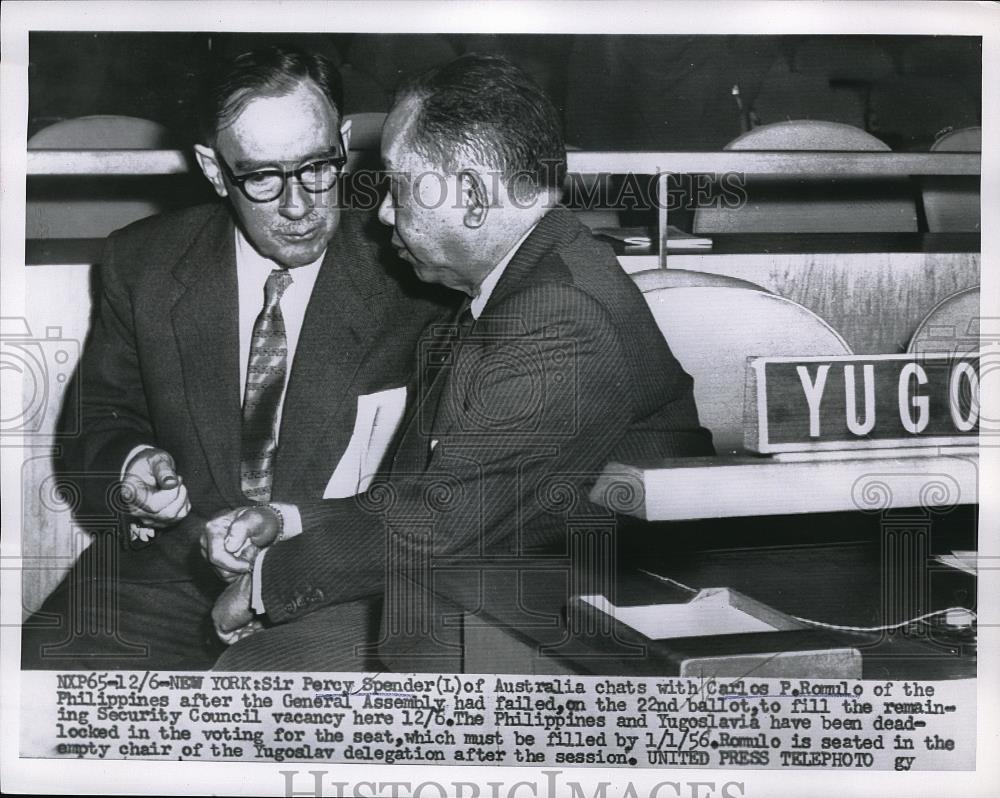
{"x": 386, "y": 211}
{"x": 296, "y": 202}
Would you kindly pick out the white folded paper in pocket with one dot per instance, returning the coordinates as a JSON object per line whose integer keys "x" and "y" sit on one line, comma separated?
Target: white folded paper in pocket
{"x": 378, "y": 416}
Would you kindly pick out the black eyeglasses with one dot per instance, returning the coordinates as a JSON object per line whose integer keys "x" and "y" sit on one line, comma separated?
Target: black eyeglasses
{"x": 265, "y": 185}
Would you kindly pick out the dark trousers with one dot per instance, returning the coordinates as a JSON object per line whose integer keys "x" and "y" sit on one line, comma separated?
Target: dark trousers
{"x": 108, "y": 615}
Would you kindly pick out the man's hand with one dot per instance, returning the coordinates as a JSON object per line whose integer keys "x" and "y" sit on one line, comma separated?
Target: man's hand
{"x": 153, "y": 490}
{"x": 232, "y": 615}
{"x": 232, "y": 541}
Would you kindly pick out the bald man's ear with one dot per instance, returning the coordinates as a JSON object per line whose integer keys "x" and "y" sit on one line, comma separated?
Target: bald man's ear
{"x": 476, "y": 199}
{"x": 210, "y": 168}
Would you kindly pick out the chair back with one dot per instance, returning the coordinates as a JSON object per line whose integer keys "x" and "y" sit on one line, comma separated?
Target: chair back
{"x": 776, "y": 204}
{"x": 92, "y": 208}
{"x": 713, "y": 330}
{"x": 951, "y": 202}
{"x": 951, "y": 327}
{"x": 653, "y": 279}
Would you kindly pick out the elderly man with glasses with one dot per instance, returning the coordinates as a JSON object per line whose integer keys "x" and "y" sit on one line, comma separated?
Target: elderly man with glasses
{"x": 241, "y": 352}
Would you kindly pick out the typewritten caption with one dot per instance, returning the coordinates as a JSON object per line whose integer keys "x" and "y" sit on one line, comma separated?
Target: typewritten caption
{"x": 501, "y": 720}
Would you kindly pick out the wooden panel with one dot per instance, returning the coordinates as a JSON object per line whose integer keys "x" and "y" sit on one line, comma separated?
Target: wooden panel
{"x": 107, "y": 162}
{"x": 58, "y": 310}
{"x": 874, "y": 300}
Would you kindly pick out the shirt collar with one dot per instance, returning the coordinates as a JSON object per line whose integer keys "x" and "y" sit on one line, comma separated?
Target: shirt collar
{"x": 489, "y": 283}
{"x": 250, "y": 262}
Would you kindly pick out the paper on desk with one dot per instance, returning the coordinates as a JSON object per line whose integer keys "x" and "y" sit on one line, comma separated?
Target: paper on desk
{"x": 639, "y": 237}
{"x": 962, "y": 560}
{"x": 377, "y": 418}
{"x": 706, "y": 614}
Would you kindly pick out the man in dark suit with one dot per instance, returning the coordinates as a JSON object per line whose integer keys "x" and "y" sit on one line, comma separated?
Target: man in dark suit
{"x": 233, "y": 349}
{"x": 552, "y": 367}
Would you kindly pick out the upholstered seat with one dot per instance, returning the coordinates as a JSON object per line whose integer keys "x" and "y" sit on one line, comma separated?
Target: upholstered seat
{"x": 777, "y": 204}
{"x": 712, "y": 331}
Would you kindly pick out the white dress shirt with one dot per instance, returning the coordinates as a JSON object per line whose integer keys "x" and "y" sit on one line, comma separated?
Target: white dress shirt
{"x": 252, "y": 271}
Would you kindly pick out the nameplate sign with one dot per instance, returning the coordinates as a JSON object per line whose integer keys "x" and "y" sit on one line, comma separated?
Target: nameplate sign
{"x": 861, "y": 402}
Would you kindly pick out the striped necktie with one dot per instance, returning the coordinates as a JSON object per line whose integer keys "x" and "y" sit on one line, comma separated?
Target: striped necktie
{"x": 265, "y": 385}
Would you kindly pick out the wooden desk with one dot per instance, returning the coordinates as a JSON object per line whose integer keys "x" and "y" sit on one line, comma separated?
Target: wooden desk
{"x": 726, "y": 487}
{"x": 843, "y": 584}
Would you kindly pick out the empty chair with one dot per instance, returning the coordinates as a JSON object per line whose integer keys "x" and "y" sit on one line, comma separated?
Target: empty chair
{"x": 910, "y": 112}
{"x": 951, "y": 202}
{"x": 653, "y": 279}
{"x": 713, "y": 330}
{"x": 94, "y": 207}
{"x": 777, "y": 204}
{"x": 951, "y": 327}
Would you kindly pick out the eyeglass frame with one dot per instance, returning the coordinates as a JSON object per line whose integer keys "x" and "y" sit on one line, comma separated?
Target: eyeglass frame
{"x": 339, "y": 162}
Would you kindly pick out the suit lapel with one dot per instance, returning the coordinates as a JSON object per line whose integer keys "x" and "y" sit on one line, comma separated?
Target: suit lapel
{"x": 555, "y": 228}
{"x": 340, "y": 325}
{"x": 206, "y": 327}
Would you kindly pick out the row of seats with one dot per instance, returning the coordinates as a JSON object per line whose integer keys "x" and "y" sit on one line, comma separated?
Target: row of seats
{"x": 906, "y": 112}
{"x": 776, "y": 205}
{"x": 907, "y": 98}
{"x": 773, "y": 204}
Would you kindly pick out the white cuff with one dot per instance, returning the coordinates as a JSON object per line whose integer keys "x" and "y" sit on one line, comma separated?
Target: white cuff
{"x": 256, "y": 599}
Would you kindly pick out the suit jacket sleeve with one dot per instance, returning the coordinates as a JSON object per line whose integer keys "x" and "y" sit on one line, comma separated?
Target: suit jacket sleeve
{"x": 535, "y": 402}
{"x": 114, "y": 416}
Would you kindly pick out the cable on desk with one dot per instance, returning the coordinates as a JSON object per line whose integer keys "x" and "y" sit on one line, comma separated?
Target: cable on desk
{"x": 843, "y": 628}
{"x": 669, "y": 580}
{"x": 889, "y": 627}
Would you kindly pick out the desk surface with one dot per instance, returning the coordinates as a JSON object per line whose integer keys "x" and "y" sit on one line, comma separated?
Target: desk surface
{"x": 847, "y": 584}
{"x": 725, "y": 487}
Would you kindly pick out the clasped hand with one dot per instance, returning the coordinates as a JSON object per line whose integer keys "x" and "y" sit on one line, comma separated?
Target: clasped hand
{"x": 232, "y": 541}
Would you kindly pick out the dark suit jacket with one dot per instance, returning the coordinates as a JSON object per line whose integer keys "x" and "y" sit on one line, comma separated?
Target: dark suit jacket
{"x": 564, "y": 370}
{"x": 161, "y": 368}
